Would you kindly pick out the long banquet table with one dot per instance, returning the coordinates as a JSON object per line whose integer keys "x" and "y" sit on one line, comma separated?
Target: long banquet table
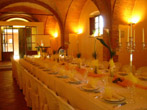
{"x": 80, "y": 99}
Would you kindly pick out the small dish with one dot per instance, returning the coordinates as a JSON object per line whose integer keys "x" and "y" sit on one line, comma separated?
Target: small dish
{"x": 51, "y": 72}
{"x": 89, "y": 89}
{"x": 122, "y": 73}
{"x": 143, "y": 78}
{"x": 46, "y": 69}
{"x": 62, "y": 76}
{"x": 115, "y": 99}
{"x": 41, "y": 67}
{"x": 74, "y": 81}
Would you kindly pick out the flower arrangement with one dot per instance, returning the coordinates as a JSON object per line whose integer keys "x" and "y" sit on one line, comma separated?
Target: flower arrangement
{"x": 78, "y": 55}
{"x": 112, "y": 53}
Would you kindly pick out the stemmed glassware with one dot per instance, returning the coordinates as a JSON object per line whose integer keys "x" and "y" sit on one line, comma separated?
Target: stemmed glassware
{"x": 131, "y": 91}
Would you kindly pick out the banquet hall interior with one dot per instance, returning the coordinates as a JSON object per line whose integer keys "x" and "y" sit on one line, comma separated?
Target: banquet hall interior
{"x": 73, "y": 54}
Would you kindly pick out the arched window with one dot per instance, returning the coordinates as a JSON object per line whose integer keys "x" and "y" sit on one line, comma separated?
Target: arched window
{"x": 96, "y": 25}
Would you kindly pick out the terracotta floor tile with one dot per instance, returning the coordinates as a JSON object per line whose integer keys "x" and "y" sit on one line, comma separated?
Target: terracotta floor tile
{"x": 11, "y": 97}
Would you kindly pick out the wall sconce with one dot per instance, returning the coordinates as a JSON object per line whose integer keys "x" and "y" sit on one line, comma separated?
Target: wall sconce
{"x": 80, "y": 31}
{"x": 55, "y": 35}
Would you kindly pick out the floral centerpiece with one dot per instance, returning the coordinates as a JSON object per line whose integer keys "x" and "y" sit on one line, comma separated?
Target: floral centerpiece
{"x": 112, "y": 54}
{"x": 38, "y": 49}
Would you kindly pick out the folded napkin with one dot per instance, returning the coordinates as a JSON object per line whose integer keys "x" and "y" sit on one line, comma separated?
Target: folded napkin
{"x": 96, "y": 75}
{"x": 94, "y": 63}
{"x": 108, "y": 93}
{"x": 71, "y": 74}
{"x": 92, "y": 83}
{"x": 80, "y": 70}
{"x": 132, "y": 78}
{"x": 125, "y": 82}
{"x": 91, "y": 74}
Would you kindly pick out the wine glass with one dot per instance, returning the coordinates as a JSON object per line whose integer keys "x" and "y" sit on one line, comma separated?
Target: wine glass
{"x": 131, "y": 90}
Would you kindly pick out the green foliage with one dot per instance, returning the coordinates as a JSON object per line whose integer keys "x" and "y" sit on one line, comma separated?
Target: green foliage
{"x": 94, "y": 55}
{"x": 112, "y": 53}
{"x": 54, "y": 52}
{"x": 78, "y": 55}
{"x": 38, "y": 48}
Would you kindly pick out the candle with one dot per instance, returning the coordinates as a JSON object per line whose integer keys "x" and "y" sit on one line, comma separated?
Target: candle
{"x": 131, "y": 30}
{"x": 119, "y": 36}
{"x": 131, "y": 57}
{"x": 143, "y": 35}
{"x": 42, "y": 43}
{"x": 128, "y": 35}
{"x": 134, "y": 36}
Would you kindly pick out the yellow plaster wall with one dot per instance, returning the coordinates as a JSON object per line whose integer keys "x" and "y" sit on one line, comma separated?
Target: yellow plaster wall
{"x": 140, "y": 55}
{"x": 86, "y": 43}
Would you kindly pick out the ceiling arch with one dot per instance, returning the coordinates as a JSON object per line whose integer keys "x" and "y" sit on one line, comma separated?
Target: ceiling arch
{"x": 45, "y": 7}
{"x": 29, "y": 5}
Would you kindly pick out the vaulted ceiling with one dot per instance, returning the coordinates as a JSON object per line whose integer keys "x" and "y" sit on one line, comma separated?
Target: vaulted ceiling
{"x": 65, "y": 12}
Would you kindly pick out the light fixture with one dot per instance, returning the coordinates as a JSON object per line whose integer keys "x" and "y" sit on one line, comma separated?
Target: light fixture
{"x": 16, "y": 57}
{"x": 80, "y": 31}
{"x": 55, "y": 35}
{"x": 17, "y": 19}
{"x": 18, "y": 26}
{"x": 10, "y": 30}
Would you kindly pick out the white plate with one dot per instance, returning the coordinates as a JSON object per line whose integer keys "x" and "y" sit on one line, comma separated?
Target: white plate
{"x": 89, "y": 89}
{"x": 74, "y": 81}
{"x": 143, "y": 78}
{"x": 52, "y": 72}
{"x": 115, "y": 99}
{"x": 64, "y": 76}
{"x": 122, "y": 73}
{"x": 46, "y": 70}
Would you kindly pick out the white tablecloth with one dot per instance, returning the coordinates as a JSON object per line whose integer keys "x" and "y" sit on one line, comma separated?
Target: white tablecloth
{"x": 85, "y": 100}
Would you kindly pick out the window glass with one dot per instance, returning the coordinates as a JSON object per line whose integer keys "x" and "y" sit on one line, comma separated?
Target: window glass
{"x": 98, "y": 25}
{"x": 10, "y": 47}
{"x": 31, "y": 38}
{"x": 7, "y": 38}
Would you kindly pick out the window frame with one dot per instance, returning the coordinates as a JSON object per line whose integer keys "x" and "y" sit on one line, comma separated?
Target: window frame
{"x": 93, "y": 23}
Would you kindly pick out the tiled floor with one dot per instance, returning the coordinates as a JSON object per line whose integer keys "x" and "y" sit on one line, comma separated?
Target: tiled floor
{"x": 11, "y": 98}
{"x": 7, "y": 65}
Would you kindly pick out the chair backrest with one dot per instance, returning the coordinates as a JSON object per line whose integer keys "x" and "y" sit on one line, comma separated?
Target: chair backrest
{"x": 63, "y": 105}
{"x": 42, "y": 97}
{"x": 52, "y": 100}
{"x": 34, "y": 84}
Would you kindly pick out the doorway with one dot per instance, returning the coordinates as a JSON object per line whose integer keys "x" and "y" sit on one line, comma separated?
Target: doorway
{"x": 10, "y": 42}
{"x": 7, "y": 43}
{"x": 17, "y": 41}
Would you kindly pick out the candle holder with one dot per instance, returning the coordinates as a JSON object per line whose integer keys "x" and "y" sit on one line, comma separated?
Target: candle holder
{"x": 131, "y": 45}
{"x": 143, "y": 45}
{"x": 119, "y": 46}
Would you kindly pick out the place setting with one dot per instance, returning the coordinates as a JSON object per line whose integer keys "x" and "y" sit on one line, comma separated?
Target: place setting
{"x": 142, "y": 76}
{"x": 51, "y": 71}
{"x": 72, "y": 78}
{"x": 90, "y": 86}
{"x": 62, "y": 76}
{"x": 74, "y": 81}
{"x": 112, "y": 97}
{"x": 46, "y": 69}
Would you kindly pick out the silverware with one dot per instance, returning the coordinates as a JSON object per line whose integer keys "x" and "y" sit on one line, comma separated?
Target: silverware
{"x": 119, "y": 105}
